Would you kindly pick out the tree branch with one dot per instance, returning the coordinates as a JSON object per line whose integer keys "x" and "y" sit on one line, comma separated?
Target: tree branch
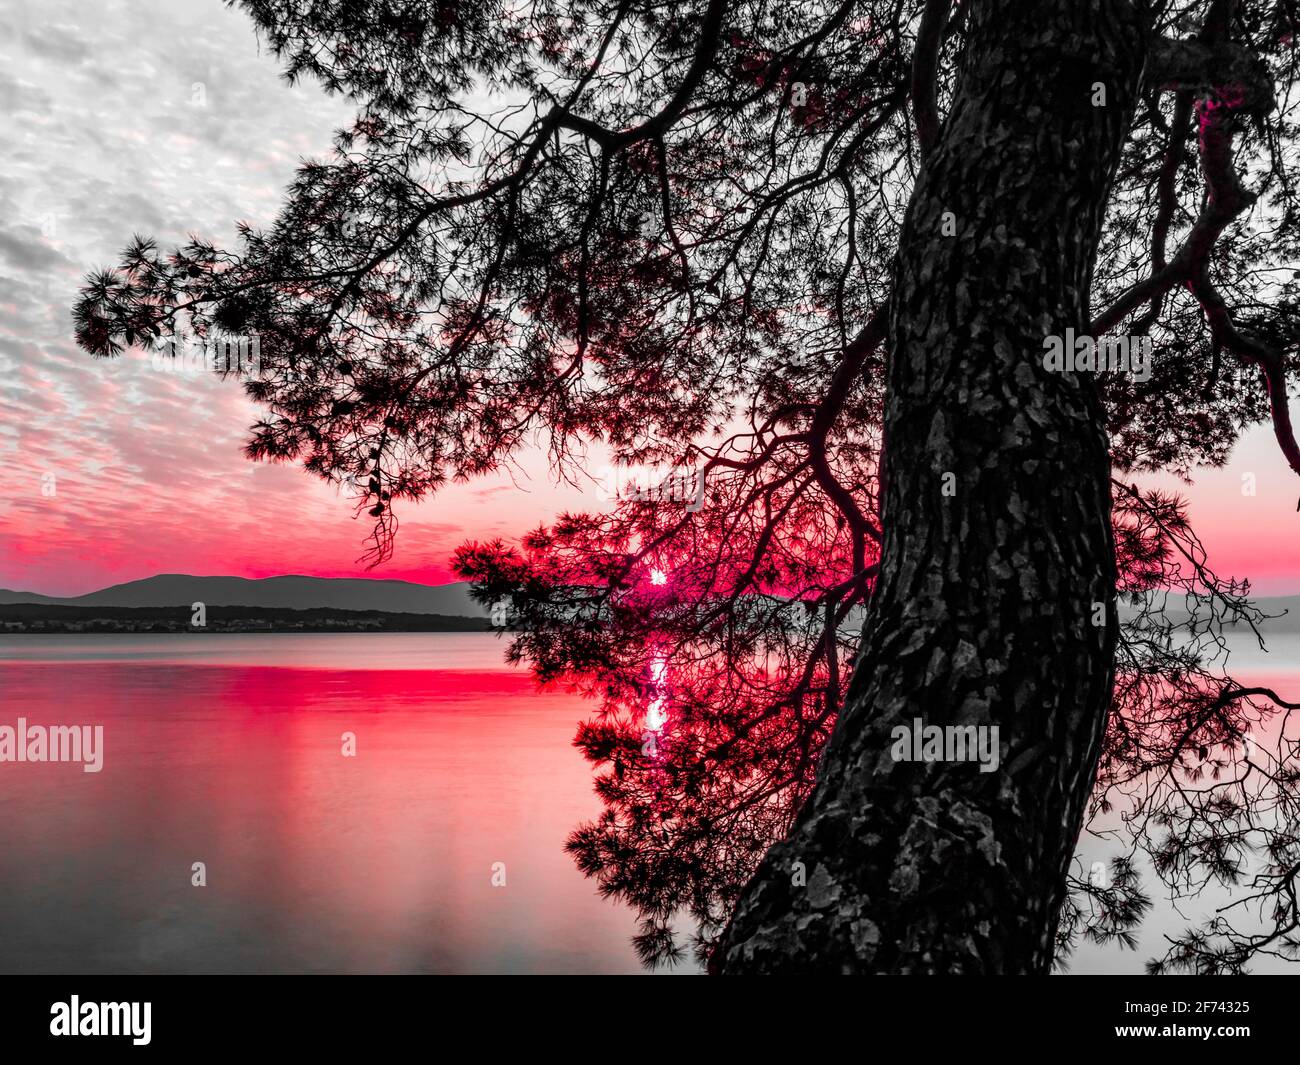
{"x": 925, "y": 65}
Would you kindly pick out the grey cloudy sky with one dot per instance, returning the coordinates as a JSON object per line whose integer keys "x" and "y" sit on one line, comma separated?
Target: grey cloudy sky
{"x": 161, "y": 117}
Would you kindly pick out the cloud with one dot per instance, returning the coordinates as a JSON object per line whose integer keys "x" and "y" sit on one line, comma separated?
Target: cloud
{"x": 25, "y": 249}
{"x": 62, "y": 44}
{"x": 108, "y": 135}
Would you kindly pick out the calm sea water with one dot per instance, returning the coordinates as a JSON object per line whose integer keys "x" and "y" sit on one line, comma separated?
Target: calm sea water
{"x": 226, "y": 750}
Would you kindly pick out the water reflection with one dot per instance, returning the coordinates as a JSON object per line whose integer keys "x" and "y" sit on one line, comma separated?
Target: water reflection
{"x": 315, "y": 862}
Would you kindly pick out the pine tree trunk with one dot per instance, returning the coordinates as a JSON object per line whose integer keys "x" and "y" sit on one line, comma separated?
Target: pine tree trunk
{"x": 984, "y": 610}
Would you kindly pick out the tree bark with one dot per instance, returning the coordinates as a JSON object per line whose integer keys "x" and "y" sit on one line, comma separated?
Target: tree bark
{"x": 984, "y": 609}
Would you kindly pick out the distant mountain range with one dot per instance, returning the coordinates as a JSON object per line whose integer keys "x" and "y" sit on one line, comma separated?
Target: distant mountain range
{"x": 1290, "y": 622}
{"x": 387, "y": 596}
{"x": 1282, "y": 613}
{"x": 284, "y": 593}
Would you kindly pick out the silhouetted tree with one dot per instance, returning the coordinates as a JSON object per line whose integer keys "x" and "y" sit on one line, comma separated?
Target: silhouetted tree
{"x": 802, "y": 259}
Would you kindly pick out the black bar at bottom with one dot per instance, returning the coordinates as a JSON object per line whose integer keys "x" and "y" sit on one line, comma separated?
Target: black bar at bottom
{"x": 378, "y": 1013}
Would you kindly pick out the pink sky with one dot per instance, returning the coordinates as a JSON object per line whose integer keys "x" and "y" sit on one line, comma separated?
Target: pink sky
{"x": 115, "y": 131}
{"x": 111, "y": 135}
{"x": 1249, "y": 536}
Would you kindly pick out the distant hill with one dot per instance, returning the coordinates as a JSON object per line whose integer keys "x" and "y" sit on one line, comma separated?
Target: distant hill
{"x": 1283, "y": 614}
{"x": 1287, "y": 605}
{"x": 393, "y": 597}
{"x": 42, "y": 618}
{"x": 285, "y": 593}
